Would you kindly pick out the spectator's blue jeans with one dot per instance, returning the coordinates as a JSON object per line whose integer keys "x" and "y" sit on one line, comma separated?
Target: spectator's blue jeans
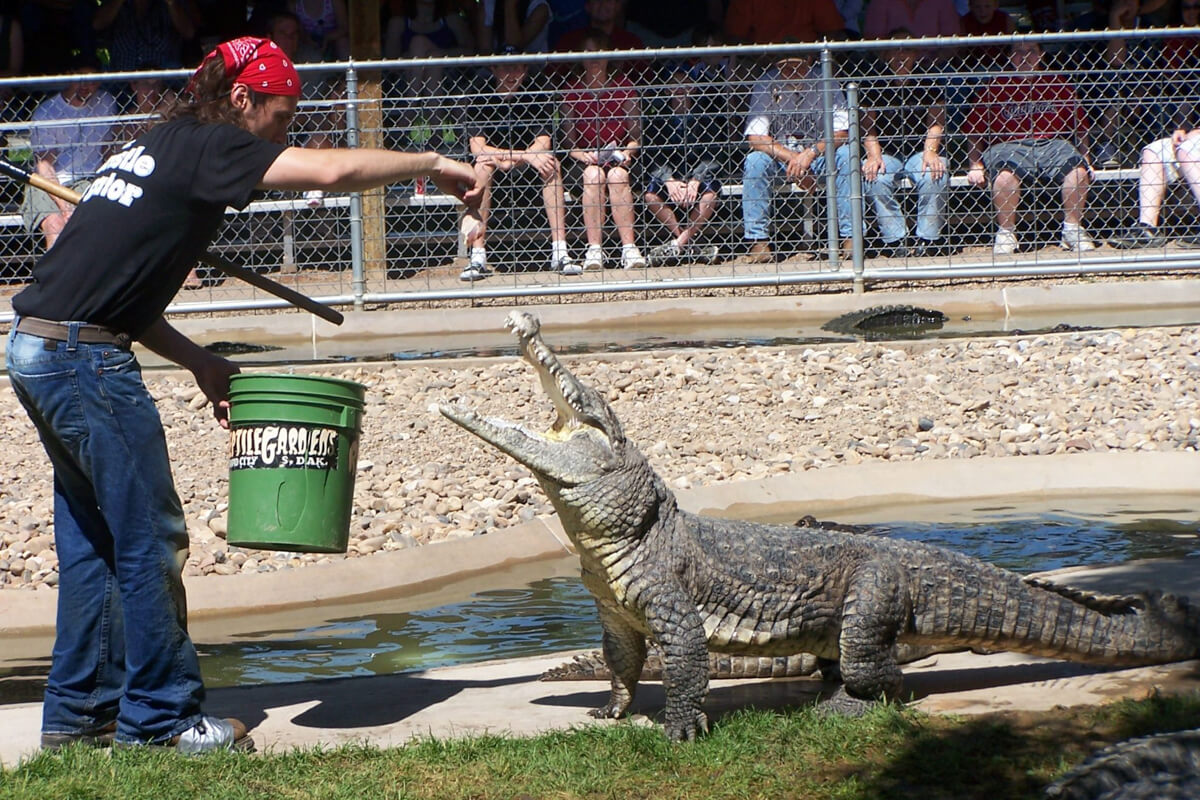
{"x": 122, "y": 650}
{"x": 931, "y": 199}
{"x": 762, "y": 174}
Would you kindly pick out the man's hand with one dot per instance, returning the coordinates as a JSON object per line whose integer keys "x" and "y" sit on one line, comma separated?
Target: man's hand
{"x": 798, "y": 164}
{"x": 545, "y": 163}
{"x": 458, "y": 180}
{"x": 976, "y": 176}
{"x": 872, "y": 166}
{"x": 212, "y": 376}
{"x": 932, "y": 163}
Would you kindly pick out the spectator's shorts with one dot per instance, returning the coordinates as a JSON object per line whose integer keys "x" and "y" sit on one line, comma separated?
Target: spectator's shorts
{"x": 37, "y": 205}
{"x": 659, "y": 189}
{"x": 1033, "y": 159}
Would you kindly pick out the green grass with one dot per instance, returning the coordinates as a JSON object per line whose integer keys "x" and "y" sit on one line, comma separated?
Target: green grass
{"x": 890, "y": 753}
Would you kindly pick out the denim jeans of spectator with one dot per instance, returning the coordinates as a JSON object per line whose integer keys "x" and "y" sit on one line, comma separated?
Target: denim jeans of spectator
{"x": 931, "y": 199}
{"x": 762, "y": 175}
{"x": 121, "y": 650}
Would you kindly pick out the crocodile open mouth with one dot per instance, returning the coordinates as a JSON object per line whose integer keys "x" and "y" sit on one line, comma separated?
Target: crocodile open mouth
{"x": 576, "y": 448}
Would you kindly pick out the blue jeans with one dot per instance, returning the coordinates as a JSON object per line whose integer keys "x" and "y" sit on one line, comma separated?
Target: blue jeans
{"x": 931, "y": 199}
{"x": 762, "y": 174}
{"x": 121, "y": 650}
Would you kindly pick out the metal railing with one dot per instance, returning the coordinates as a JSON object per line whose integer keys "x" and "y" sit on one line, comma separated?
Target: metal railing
{"x": 403, "y": 243}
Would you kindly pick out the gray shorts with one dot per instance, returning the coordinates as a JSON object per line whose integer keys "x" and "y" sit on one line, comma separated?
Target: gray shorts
{"x": 37, "y": 205}
{"x": 1033, "y": 159}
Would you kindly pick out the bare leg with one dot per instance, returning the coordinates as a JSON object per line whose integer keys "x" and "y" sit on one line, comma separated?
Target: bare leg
{"x": 1188, "y": 158}
{"x": 1152, "y": 187}
{"x": 556, "y": 213}
{"x": 701, "y": 213}
{"x": 1074, "y": 195}
{"x": 593, "y": 205}
{"x": 1006, "y": 195}
{"x": 483, "y": 176}
{"x": 621, "y": 199}
{"x": 664, "y": 213}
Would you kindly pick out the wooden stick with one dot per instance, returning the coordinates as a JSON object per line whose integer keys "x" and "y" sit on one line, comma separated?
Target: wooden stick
{"x": 209, "y": 259}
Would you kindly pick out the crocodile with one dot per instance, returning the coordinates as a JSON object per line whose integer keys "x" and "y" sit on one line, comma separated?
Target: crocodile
{"x": 694, "y": 583}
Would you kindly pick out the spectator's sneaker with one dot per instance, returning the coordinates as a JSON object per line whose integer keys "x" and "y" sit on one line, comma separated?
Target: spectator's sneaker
{"x": 593, "y": 257}
{"x": 1190, "y": 241}
{"x": 206, "y": 736}
{"x": 1005, "y": 244}
{"x": 315, "y": 198}
{"x": 99, "y": 737}
{"x": 929, "y": 248}
{"x": 896, "y": 249}
{"x": 632, "y": 258}
{"x": 665, "y": 255}
{"x": 1138, "y": 236}
{"x": 1077, "y": 239}
{"x": 566, "y": 266}
{"x": 702, "y": 253}
{"x": 475, "y": 272}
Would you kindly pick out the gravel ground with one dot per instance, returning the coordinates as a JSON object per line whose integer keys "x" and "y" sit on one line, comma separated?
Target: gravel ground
{"x": 702, "y": 417}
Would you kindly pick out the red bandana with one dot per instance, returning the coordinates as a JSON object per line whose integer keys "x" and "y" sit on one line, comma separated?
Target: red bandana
{"x": 258, "y": 64}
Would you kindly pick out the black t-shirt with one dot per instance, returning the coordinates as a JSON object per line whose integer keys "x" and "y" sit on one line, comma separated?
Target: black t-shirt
{"x": 900, "y": 107}
{"x": 510, "y": 121}
{"x": 144, "y": 222}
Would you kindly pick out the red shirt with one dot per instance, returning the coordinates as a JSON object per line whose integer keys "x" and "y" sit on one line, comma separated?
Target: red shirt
{"x": 1033, "y": 106}
{"x": 598, "y": 117}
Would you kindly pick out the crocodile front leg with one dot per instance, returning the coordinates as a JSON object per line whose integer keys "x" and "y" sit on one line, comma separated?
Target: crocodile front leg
{"x": 624, "y": 649}
{"x": 676, "y": 626}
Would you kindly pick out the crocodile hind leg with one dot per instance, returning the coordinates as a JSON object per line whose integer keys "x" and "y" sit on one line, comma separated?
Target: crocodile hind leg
{"x": 624, "y": 651}
{"x": 874, "y": 607}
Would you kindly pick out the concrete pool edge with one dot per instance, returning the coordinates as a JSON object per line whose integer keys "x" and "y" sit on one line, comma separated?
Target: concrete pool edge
{"x": 820, "y": 492}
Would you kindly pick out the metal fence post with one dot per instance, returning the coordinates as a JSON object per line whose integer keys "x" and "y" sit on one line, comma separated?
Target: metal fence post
{"x": 358, "y": 280}
{"x": 828, "y": 87}
{"x": 856, "y": 191}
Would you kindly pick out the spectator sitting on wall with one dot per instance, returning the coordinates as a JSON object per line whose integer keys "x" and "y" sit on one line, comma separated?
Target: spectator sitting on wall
{"x": 67, "y": 148}
{"x": 1163, "y": 163}
{"x": 785, "y": 129}
{"x": 510, "y": 130}
{"x": 688, "y": 148}
{"x": 602, "y": 128}
{"x": 904, "y": 118}
{"x": 1028, "y": 127}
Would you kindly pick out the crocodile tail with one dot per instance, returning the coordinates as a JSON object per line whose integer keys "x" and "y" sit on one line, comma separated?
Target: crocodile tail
{"x": 1171, "y": 620}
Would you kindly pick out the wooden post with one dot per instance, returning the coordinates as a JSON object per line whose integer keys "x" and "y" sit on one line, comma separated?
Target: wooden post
{"x": 366, "y": 45}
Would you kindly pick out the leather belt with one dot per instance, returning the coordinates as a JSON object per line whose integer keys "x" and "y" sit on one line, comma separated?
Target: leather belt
{"x": 60, "y": 332}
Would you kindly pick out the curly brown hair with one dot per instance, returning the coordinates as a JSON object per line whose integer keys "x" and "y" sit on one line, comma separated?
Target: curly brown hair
{"x": 207, "y": 97}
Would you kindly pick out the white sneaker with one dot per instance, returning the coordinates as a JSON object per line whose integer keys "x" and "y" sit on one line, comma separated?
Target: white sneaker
{"x": 315, "y": 198}
{"x": 566, "y": 266}
{"x": 1077, "y": 239}
{"x": 593, "y": 258}
{"x": 632, "y": 258}
{"x": 1005, "y": 244}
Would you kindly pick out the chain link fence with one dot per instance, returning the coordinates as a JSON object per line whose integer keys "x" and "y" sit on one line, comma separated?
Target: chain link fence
{"x": 612, "y": 171}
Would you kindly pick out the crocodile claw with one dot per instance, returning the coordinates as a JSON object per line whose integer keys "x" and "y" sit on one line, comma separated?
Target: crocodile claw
{"x": 687, "y": 730}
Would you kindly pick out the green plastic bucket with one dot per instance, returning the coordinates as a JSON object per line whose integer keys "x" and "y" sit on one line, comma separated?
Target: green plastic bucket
{"x": 293, "y": 450}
